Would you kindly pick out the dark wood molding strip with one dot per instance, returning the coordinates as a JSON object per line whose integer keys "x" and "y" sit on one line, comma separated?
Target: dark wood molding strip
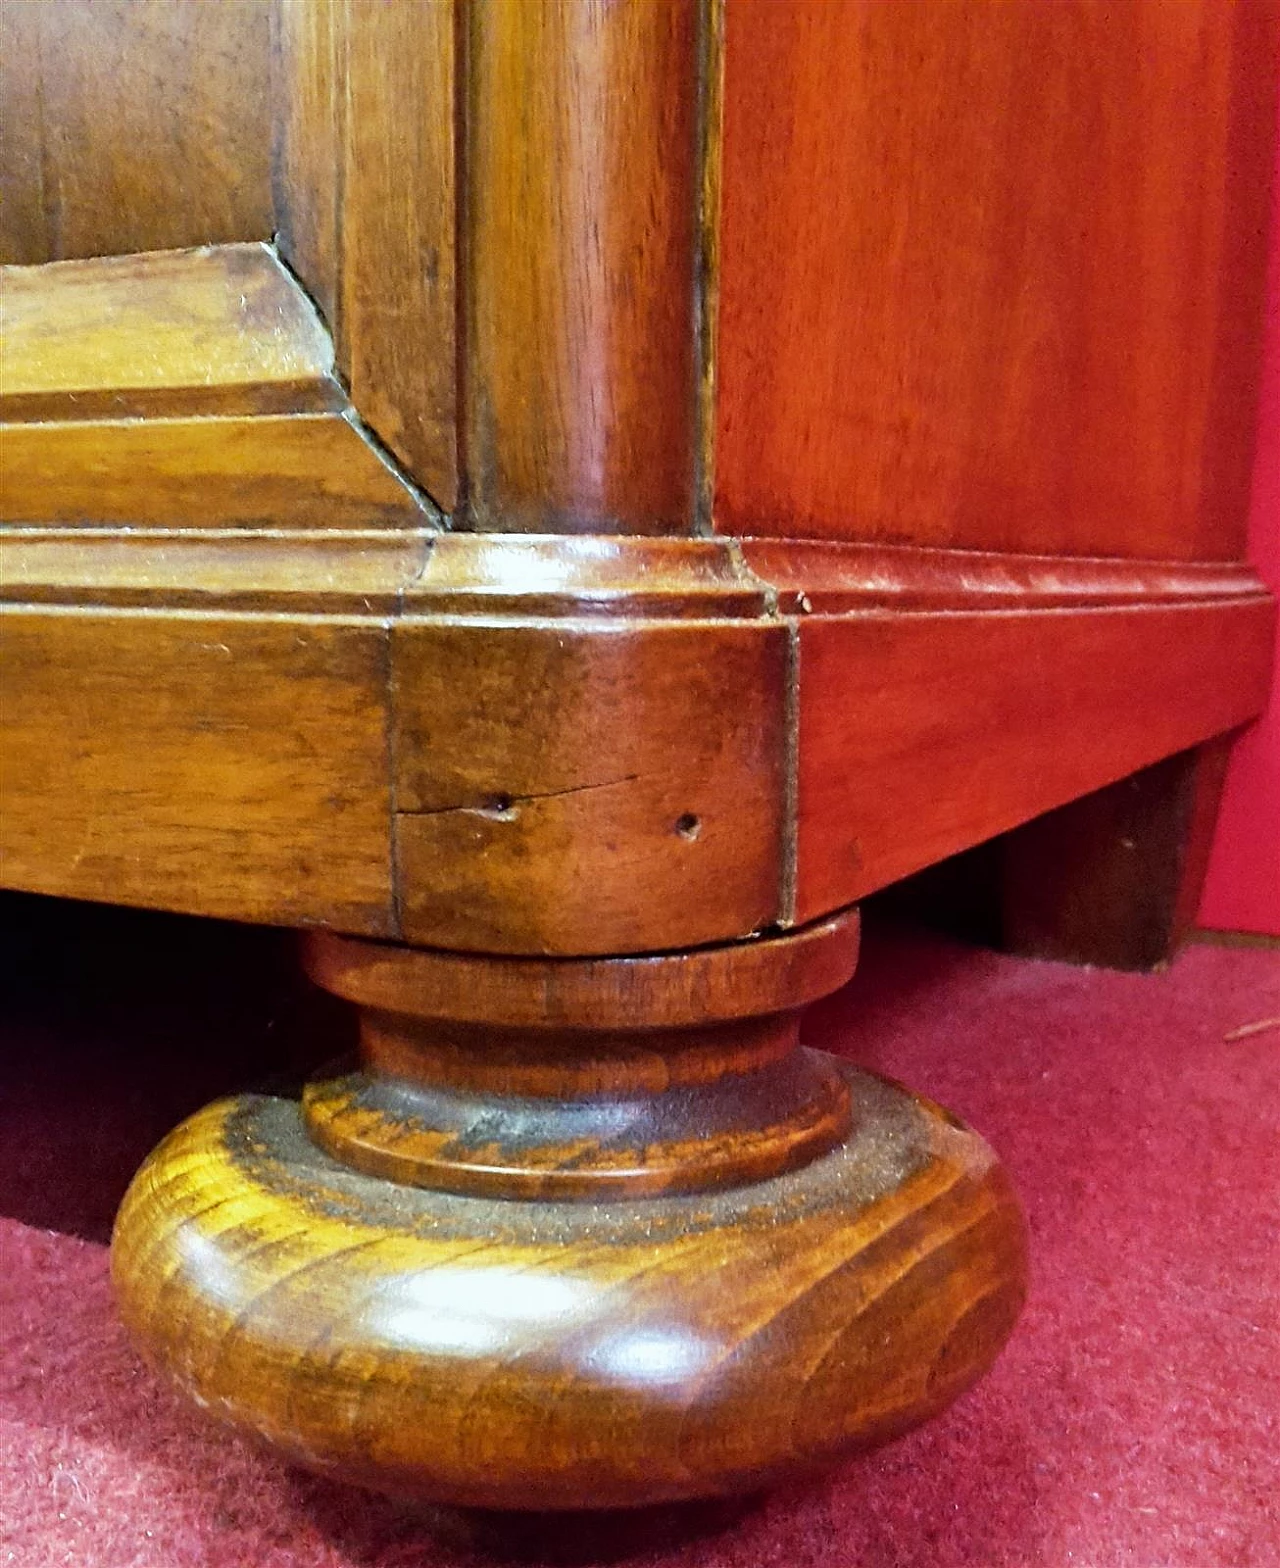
{"x": 706, "y": 300}
{"x": 365, "y": 196}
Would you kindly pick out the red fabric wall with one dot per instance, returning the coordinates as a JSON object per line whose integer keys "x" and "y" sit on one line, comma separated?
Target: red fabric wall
{"x": 1242, "y": 892}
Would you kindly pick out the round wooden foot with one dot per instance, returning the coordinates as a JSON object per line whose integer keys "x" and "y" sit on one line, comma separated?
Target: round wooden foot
{"x": 609, "y": 1345}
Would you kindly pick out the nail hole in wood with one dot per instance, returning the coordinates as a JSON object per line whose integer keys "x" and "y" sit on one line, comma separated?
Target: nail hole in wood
{"x": 501, "y": 806}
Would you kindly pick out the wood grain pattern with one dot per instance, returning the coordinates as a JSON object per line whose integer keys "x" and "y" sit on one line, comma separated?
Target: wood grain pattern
{"x": 282, "y": 470}
{"x": 229, "y": 766}
{"x": 223, "y": 330}
{"x": 593, "y": 737}
{"x": 579, "y": 360}
{"x": 588, "y": 1078}
{"x": 604, "y": 997}
{"x": 308, "y": 89}
{"x": 992, "y": 276}
{"x": 920, "y": 735}
{"x": 365, "y": 192}
{"x": 569, "y": 1355}
{"x": 291, "y": 572}
{"x": 185, "y": 389}
{"x": 396, "y": 337}
{"x": 136, "y": 125}
{"x": 574, "y": 790}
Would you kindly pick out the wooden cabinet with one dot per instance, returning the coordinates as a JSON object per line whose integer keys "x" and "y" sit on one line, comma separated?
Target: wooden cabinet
{"x": 547, "y": 484}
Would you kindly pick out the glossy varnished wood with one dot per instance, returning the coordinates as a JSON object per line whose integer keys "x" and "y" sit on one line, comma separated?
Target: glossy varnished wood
{"x": 839, "y": 577}
{"x": 703, "y": 986}
{"x": 589, "y": 789}
{"x": 564, "y": 1355}
{"x": 579, "y": 359}
{"x": 181, "y": 389}
{"x": 308, "y": 152}
{"x": 594, "y": 745}
{"x": 992, "y": 275}
{"x": 132, "y": 125}
{"x": 221, "y": 330}
{"x": 277, "y": 470}
{"x": 587, "y": 1225}
{"x": 1017, "y": 712}
{"x": 225, "y": 765}
{"x": 596, "y": 1078}
{"x": 646, "y": 1344}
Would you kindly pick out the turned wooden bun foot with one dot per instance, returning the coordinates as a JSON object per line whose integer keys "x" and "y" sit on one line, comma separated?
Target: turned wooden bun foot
{"x": 582, "y": 1233}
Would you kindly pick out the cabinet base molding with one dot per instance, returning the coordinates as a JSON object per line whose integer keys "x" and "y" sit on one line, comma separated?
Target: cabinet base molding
{"x": 694, "y": 1318}
{"x": 570, "y": 746}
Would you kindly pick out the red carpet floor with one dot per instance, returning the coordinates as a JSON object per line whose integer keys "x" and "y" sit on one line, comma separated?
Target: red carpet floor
{"x": 1132, "y": 1423}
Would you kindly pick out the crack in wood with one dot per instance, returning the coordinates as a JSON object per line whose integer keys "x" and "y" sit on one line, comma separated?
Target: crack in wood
{"x": 501, "y": 805}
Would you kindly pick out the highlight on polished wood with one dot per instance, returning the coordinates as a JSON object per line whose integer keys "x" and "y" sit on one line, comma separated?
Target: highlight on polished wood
{"x": 652, "y": 1250}
{"x": 181, "y": 389}
{"x": 580, "y": 359}
{"x": 559, "y": 502}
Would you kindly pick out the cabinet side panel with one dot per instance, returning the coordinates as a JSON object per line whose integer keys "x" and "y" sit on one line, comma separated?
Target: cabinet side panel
{"x": 921, "y": 735}
{"x": 992, "y": 275}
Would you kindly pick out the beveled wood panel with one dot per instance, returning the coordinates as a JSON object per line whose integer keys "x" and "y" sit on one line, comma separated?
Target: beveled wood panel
{"x": 580, "y": 221}
{"x": 132, "y": 125}
{"x": 280, "y": 470}
{"x": 923, "y": 734}
{"x": 217, "y": 331}
{"x": 216, "y": 765}
{"x": 365, "y": 194}
{"x": 991, "y": 275}
{"x": 183, "y": 389}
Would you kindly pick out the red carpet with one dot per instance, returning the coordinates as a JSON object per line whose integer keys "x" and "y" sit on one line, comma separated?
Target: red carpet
{"x": 1133, "y": 1422}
